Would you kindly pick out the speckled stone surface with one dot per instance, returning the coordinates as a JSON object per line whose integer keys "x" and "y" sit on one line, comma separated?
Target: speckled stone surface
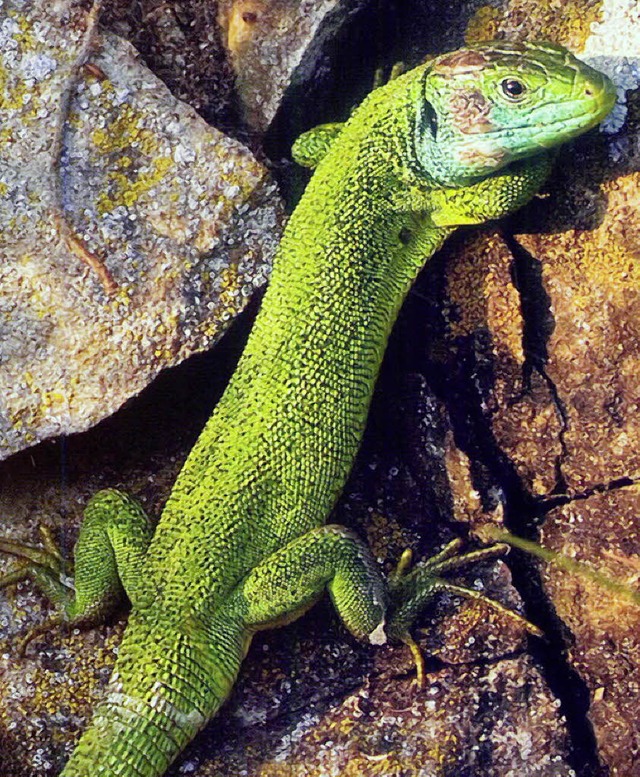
{"x": 603, "y": 531}
{"x": 183, "y": 219}
{"x": 181, "y": 43}
{"x": 266, "y": 40}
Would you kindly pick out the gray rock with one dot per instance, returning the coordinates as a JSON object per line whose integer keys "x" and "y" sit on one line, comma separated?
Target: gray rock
{"x": 176, "y": 223}
{"x": 267, "y": 40}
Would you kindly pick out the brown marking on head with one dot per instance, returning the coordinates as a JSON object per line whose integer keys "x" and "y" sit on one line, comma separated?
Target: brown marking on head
{"x": 470, "y": 112}
{"x": 460, "y": 62}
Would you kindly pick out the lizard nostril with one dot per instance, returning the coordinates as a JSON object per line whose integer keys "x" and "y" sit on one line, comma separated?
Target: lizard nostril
{"x": 588, "y": 92}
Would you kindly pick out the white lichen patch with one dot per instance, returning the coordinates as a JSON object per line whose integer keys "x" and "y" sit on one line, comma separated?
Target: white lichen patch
{"x": 614, "y": 48}
{"x": 181, "y": 220}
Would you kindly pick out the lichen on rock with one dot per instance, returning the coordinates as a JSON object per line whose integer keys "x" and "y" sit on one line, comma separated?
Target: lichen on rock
{"x": 178, "y": 222}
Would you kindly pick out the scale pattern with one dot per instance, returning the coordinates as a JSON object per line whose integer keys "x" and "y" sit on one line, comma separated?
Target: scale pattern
{"x": 242, "y": 543}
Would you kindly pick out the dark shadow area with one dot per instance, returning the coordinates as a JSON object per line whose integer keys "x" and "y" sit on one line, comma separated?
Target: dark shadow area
{"x": 572, "y": 197}
{"x": 9, "y": 763}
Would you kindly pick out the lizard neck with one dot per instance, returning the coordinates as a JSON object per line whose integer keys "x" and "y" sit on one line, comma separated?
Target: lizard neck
{"x": 344, "y": 266}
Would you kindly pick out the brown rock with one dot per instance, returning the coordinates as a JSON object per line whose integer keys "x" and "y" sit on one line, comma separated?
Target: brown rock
{"x": 593, "y": 283}
{"x": 602, "y": 532}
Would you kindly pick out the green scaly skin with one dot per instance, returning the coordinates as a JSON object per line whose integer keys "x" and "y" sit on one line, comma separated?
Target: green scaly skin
{"x": 242, "y": 543}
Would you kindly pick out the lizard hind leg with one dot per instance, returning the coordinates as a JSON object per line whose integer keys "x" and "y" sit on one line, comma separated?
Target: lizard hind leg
{"x": 293, "y": 578}
{"x": 110, "y": 548}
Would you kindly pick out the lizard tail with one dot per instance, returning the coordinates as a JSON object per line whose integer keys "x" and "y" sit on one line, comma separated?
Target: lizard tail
{"x": 161, "y": 693}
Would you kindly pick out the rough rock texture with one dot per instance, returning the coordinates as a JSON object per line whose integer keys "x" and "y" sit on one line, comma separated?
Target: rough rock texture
{"x": 267, "y": 40}
{"x": 180, "y": 224}
{"x": 182, "y": 44}
{"x": 605, "y": 627}
{"x": 574, "y": 431}
{"x": 508, "y": 397}
{"x": 386, "y": 727}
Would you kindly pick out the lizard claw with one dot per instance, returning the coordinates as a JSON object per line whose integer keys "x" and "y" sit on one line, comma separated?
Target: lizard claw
{"x": 412, "y": 589}
{"x": 44, "y": 566}
{"x": 418, "y": 659}
{"x": 401, "y": 567}
{"x": 48, "y": 558}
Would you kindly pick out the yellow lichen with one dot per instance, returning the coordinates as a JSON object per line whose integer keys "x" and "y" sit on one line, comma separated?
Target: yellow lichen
{"x": 12, "y": 98}
{"x": 74, "y": 120}
{"x": 536, "y": 19}
{"x": 52, "y": 399}
{"x": 483, "y": 25}
{"x": 6, "y": 134}
{"x": 209, "y": 328}
{"x": 125, "y": 130}
{"x": 25, "y": 38}
{"x": 127, "y": 191}
{"x": 229, "y": 285}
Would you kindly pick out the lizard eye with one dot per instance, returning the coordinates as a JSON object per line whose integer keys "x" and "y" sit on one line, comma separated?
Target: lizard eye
{"x": 513, "y": 89}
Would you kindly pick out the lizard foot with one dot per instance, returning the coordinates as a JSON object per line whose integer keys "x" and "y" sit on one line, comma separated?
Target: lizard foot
{"x": 108, "y": 558}
{"x": 46, "y": 567}
{"x": 412, "y": 589}
{"x": 47, "y": 558}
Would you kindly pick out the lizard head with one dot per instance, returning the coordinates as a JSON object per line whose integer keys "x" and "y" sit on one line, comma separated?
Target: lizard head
{"x": 485, "y": 106}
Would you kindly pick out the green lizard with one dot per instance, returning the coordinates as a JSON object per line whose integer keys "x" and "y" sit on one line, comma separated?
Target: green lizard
{"x": 242, "y": 543}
